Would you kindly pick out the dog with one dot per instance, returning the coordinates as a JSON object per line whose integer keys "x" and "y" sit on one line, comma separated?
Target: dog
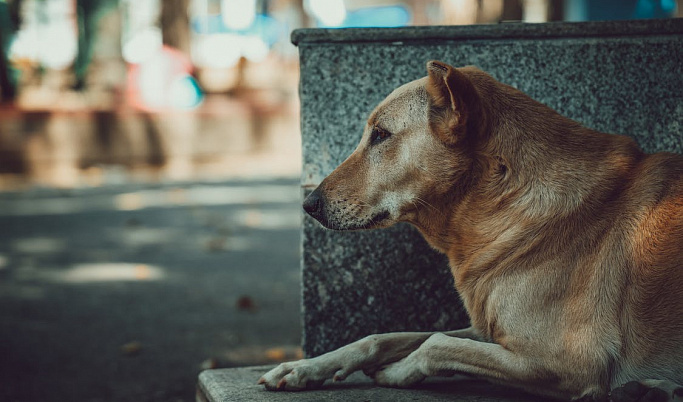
{"x": 565, "y": 244}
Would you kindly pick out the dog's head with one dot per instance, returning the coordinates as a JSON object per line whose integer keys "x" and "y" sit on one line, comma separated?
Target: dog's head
{"x": 416, "y": 148}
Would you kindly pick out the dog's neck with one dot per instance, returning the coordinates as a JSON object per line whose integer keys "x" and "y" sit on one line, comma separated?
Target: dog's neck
{"x": 532, "y": 166}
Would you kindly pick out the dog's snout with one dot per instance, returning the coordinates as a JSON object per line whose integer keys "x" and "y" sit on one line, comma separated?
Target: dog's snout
{"x": 313, "y": 204}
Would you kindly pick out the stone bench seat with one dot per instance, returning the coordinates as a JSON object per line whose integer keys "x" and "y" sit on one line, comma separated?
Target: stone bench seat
{"x": 239, "y": 384}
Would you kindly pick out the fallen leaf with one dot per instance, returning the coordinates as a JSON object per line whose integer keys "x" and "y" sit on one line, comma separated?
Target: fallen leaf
{"x": 131, "y": 348}
{"x": 209, "y": 364}
{"x": 246, "y": 303}
{"x": 277, "y": 354}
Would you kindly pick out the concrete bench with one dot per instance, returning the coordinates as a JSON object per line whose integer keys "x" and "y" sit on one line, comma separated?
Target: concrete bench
{"x": 239, "y": 384}
{"x": 618, "y": 77}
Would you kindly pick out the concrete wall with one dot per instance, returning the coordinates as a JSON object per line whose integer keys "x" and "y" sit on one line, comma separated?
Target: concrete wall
{"x": 620, "y": 77}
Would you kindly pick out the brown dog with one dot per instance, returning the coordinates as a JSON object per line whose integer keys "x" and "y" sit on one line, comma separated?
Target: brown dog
{"x": 566, "y": 244}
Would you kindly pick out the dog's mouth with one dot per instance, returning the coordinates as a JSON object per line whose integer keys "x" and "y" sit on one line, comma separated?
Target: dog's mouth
{"x": 343, "y": 223}
{"x": 376, "y": 220}
{"x": 348, "y": 223}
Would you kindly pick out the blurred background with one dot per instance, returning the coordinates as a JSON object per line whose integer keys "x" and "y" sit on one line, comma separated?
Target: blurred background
{"x": 149, "y": 165}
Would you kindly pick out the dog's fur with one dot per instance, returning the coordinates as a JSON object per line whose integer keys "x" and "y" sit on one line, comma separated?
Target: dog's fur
{"x": 566, "y": 244}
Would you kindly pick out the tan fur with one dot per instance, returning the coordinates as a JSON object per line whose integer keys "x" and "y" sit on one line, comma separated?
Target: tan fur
{"x": 565, "y": 243}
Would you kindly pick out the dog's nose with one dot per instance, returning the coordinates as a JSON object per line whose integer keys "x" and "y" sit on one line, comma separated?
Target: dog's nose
{"x": 313, "y": 204}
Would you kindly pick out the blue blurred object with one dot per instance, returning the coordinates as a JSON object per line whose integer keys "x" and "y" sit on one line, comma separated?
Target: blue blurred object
{"x": 267, "y": 28}
{"x": 392, "y": 16}
{"x": 668, "y": 6}
{"x": 654, "y": 9}
{"x": 381, "y": 17}
{"x": 604, "y": 10}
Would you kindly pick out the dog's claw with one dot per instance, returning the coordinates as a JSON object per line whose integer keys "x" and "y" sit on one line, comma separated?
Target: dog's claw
{"x": 340, "y": 376}
{"x": 281, "y": 384}
{"x": 261, "y": 381}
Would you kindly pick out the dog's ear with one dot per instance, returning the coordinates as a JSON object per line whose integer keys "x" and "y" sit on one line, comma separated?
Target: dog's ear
{"x": 453, "y": 102}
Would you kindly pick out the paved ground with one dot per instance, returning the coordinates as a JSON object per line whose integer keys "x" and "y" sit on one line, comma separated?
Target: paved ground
{"x": 125, "y": 294}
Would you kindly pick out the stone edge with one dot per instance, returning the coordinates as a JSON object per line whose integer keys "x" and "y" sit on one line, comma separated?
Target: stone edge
{"x": 593, "y": 29}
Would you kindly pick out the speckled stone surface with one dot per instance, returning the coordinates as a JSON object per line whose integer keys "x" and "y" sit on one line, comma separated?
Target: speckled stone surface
{"x": 618, "y": 77}
{"x": 239, "y": 384}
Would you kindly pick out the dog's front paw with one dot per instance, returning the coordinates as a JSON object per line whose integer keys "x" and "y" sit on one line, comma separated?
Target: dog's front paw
{"x": 294, "y": 376}
{"x": 401, "y": 374}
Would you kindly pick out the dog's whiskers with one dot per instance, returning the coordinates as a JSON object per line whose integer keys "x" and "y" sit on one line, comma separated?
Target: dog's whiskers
{"x": 427, "y": 204}
{"x": 428, "y": 172}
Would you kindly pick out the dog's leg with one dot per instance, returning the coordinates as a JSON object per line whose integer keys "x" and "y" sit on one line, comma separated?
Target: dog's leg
{"x": 647, "y": 390}
{"x": 441, "y": 355}
{"x": 367, "y": 354}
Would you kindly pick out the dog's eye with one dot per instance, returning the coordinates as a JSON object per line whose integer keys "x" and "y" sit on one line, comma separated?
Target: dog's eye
{"x": 378, "y": 135}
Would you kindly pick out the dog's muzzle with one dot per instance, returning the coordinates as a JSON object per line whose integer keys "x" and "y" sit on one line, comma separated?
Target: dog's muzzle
{"x": 317, "y": 206}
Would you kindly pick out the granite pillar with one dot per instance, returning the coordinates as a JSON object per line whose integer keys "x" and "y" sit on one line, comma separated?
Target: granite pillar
{"x": 618, "y": 77}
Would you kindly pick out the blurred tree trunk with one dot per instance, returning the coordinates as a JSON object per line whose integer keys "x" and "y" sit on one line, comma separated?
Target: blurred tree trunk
{"x": 8, "y": 24}
{"x": 6, "y": 85}
{"x": 512, "y": 10}
{"x": 175, "y": 24}
{"x": 556, "y": 10}
{"x": 88, "y": 13}
{"x": 84, "y": 12}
